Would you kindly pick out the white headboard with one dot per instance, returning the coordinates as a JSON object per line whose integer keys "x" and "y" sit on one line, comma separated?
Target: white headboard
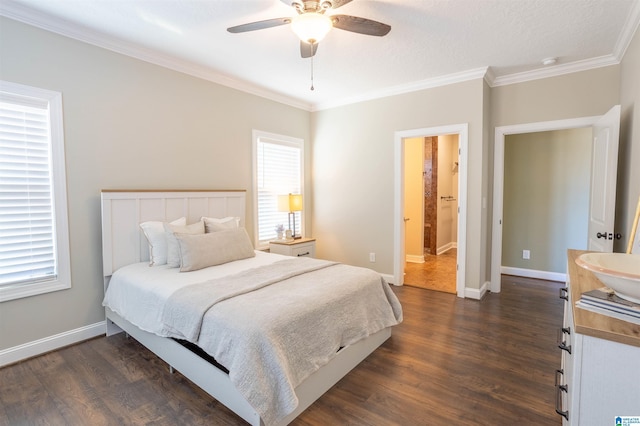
{"x": 122, "y": 212}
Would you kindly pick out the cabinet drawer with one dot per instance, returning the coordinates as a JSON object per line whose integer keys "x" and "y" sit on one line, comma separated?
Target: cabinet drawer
{"x": 297, "y": 248}
{"x": 303, "y": 250}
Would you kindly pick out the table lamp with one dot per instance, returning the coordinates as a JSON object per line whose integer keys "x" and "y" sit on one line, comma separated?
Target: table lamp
{"x": 291, "y": 203}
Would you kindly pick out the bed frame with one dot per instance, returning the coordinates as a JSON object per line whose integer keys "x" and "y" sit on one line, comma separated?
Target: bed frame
{"x": 123, "y": 244}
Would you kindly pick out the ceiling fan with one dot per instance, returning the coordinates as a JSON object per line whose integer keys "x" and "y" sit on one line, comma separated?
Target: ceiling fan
{"x": 311, "y": 23}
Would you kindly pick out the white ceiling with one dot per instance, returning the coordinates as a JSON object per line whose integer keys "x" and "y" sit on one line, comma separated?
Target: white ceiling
{"x": 432, "y": 42}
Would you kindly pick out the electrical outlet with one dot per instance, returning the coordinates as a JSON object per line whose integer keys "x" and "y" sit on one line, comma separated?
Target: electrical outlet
{"x": 372, "y": 257}
{"x": 526, "y": 254}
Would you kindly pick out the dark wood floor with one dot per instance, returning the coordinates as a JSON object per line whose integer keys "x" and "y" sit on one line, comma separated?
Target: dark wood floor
{"x": 452, "y": 361}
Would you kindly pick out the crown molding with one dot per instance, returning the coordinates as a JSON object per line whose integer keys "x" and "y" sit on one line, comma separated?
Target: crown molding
{"x": 29, "y": 16}
{"x": 624, "y": 39}
{"x": 490, "y": 77}
{"x": 554, "y": 71}
{"x": 43, "y": 21}
{"x": 628, "y": 31}
{"x": 407, "y": 88}
{"x": 37, "y": 19}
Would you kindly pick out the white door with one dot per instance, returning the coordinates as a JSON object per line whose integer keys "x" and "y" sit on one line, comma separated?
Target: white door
{"x": 604, "y": 170}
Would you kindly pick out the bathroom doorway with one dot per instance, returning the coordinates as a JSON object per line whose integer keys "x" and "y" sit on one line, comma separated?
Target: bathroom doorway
{"x": 399, "y": 234}
{"x": 431, "y": 211}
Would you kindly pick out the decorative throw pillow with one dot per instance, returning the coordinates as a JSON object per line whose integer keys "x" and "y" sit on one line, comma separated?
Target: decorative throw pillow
{"x": 212, "y": 224}
{"x": 173, "y": 250}
{"x": 157, "y": 239}
{"x": 202, "y": 251}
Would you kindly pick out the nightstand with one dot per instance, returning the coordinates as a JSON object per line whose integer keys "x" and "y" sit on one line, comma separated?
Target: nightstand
{"x": 300, "y": 247}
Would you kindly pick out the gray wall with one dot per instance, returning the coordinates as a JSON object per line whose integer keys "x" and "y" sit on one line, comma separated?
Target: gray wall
{"x": 128, "y": 124}
{"x": 353, "y": 172}
{"x": 580, "y": 94}
{"x": 546, "y": 197}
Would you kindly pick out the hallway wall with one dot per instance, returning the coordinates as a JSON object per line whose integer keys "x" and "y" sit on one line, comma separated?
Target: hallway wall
{"x": 546, "y": 197}
{"x": 413, "y": 199}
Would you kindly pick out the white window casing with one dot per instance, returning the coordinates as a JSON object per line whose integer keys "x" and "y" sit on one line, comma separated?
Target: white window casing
{"x": 34, "y": 235}
{"x": 278, "y": 169}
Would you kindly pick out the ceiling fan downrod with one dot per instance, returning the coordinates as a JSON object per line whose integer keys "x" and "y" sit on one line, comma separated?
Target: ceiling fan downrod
{"x": 302, "y": 6}
{"x": 311, "y": 48}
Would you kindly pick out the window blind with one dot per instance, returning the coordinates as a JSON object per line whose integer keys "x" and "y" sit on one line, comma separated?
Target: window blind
{"x": 27, "y": 226}
{"x": 279, "y": 171}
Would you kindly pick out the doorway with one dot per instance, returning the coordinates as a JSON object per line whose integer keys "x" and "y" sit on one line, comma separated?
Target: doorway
{"x": 602, "y": 186}
{"x": 461, "y": 131}
{"x": 431, "y": 211}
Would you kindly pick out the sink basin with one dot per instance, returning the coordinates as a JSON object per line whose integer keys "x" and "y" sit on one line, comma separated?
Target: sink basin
{"x": 618, "y": 271}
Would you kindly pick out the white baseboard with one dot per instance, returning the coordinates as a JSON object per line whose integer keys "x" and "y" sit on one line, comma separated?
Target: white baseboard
{"x": 412, "y": 258}
{"x": 476, "y": 293}
{"x": 447, "y": 247}
{"x": 532, "y": 273}
{"x": 388, "y": 278}
{"x": 48, "y": 344}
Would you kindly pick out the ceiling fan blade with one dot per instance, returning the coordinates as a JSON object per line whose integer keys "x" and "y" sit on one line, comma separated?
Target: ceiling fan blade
{"x": 334, "y": 4}
{"x": 308, "y": 50}
{"x": 360, "y": 25}
{"x": 260, "y": 25}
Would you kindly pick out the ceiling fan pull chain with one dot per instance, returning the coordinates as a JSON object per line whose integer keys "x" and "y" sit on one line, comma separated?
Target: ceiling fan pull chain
{"x": 311, "y": 47}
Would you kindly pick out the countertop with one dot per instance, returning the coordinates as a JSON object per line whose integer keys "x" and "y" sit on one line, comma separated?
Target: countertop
{"x": 592, "y": 323}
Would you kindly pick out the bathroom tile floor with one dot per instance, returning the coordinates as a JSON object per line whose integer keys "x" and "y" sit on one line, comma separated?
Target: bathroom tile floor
{"x": 438, "y": 272}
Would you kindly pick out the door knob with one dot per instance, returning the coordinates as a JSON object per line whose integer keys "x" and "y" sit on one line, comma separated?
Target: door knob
{"x": 602, "y": 235}
{"x": 406, "y": 219}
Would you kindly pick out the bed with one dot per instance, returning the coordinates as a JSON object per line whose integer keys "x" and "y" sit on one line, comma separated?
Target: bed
{"x": 267, "y": 376}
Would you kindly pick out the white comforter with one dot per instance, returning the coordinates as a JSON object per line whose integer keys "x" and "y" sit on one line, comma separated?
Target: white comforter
{"x": 271, "y": 338}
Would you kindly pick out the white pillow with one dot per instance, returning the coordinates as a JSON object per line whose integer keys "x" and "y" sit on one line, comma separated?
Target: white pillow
{"x": 173, "y": 250}
{"x": 211, "y": 224}
{"x": 215, "y": 248}
{"x": 157, "y": 239}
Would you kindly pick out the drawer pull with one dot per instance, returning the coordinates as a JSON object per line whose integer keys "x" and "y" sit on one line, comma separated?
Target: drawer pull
{"x": 559, "y": 389}
{"x": 564, "y": 294}
{"x": 304, "y": 254}
{"x": 562, "y": 343}
{"x": 564, "y": 347}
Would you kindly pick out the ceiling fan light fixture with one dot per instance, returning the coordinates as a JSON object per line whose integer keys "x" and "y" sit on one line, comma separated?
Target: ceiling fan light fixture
{"x": 311, "y": 27}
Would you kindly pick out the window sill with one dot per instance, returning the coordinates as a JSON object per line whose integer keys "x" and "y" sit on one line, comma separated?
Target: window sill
{"x": 19, "y": 291}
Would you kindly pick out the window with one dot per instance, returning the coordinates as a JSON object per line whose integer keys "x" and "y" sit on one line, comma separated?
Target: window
{"x": 278, "y": 170}
{"x": 34, "y": 242}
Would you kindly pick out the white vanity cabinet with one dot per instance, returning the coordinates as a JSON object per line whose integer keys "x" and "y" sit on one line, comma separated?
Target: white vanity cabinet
{"x": 599, "y": 377}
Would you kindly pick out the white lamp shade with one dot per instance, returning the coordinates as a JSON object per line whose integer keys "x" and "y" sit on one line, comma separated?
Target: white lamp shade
{"x": 295, "y": 202}
{"x": 290, "y": 203}
{"x": 283, "y": 203}
{"x": 311, "y": 27}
